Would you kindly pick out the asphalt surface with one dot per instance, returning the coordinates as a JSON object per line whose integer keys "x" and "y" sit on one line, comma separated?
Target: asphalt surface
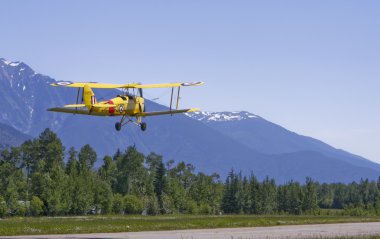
{"x": 294, "y": 231}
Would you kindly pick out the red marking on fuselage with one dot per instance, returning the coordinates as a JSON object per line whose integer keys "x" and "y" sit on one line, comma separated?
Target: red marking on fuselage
{"x": 111, "y": 110}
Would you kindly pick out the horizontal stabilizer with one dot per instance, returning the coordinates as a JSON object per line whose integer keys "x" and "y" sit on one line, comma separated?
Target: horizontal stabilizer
{"x": 169, "y": 112}
{"x": 75, "y": 106}
{"x": 94, "y": 105}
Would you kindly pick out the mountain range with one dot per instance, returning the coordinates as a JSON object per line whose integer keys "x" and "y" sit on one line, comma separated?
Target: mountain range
{"x": 211, "y": 141}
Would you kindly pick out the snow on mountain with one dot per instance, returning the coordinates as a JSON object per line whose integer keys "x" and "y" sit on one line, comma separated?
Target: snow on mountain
{"x": 10, "y": 63}
{"x": 206, "y": 116}
{"x": 24, "y": 96}
{"x": 266, "y": 137}
{"x": 211, "y": 141}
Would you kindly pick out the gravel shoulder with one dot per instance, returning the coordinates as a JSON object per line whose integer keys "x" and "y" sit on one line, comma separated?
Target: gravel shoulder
{"x": 277, "y": 232}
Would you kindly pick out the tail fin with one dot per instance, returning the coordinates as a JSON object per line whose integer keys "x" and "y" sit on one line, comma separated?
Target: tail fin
{"x": 89, "y": 97}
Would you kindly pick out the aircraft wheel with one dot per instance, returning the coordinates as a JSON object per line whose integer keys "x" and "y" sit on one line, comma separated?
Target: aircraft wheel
{"x": 143, "y": 126}
{"x": 118, "y": 126}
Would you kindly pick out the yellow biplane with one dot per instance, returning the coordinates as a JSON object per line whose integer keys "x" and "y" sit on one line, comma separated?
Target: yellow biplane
{"x": 129, "y": 104}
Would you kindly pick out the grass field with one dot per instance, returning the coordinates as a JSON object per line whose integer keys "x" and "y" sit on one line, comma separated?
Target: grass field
{"x": 92, "y": 224}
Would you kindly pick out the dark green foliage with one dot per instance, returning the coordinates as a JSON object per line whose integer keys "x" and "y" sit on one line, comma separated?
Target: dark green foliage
{"x": 131, "y": 174}
{"x": 102, "y": 196}
{"x": 160, "y": 185}
{"x": 3, "y": 207}
{"x": 87, "y": 157}
{"x": 36, "y": 206}
{"x": 118, "y": 204}
{"x": 133, "y": 204}
{"x": 230, "y": 201}
{"x": 290, "y": 198}
{"x": 310, "y": 200}
{"x": 34, "y": 180}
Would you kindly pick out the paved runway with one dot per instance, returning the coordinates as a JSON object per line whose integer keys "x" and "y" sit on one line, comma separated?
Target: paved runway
{"x": 294, "y": 231}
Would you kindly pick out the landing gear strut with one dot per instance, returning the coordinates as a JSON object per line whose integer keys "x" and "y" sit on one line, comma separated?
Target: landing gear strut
{"x": 118, "y": 125}
{"x": 143, "y": 126}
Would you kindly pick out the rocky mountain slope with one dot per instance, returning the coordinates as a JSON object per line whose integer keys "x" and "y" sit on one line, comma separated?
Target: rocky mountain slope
{"x": 214, "y": 143}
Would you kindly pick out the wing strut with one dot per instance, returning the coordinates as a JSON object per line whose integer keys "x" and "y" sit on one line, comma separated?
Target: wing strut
{"x": 78, "y": 98}
{"x": 171, "y": 99}
{"x": 178, "y": 98}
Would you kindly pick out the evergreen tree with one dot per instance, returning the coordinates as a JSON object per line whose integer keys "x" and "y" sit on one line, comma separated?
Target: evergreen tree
{"x": 268, "y": 199}
{"x": 310, "y": 199}
{"x": 230, "y": 203}
{"x": 254, "y": 195}
{"x": 87, "y": 158}
{"x": 131, "y": 173}
{"x": 108, "y": 170}
{"x": 160, "y": 185}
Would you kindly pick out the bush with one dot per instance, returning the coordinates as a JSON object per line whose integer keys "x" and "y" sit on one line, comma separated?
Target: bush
{"x": 3, "y": 207}
{"x": 36, "y": 206}
{"x": 118, "y": 204}
{"x": 133, "y": 205}
{"x": 204, "y": 208}
{"x": 21, "y": 209}
{"x": 191, "y": 207}
{"x": 352, "y": 210}
{"x": 152, "y": 207}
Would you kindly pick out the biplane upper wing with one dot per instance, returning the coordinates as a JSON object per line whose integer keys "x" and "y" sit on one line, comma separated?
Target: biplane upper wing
{"x": 92, "y": 85}
{"x": 168, "y": 85}
{"x": 169, "y": 112}
{"x": 114, "y": 86}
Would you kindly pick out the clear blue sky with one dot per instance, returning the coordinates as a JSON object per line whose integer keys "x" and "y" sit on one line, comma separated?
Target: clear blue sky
{"x": 310, "y": 66}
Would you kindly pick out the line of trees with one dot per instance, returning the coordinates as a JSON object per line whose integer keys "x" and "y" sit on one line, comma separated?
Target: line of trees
{"x": 35, "y": 180}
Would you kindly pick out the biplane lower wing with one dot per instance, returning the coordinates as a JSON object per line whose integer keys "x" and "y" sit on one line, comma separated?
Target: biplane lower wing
{"x": 75, "y": 111}
{"x": 144, "y": 114}
{"x": 169, "y": 112}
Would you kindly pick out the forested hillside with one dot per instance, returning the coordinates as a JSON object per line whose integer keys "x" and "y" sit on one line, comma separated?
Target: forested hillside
{"x": 35, "y": 180}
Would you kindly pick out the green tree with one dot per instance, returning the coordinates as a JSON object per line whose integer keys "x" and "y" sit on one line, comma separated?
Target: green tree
{"x": 36, "y": 206}
{"x": 325, "y": 195}
{"x": 160, "y": 184}
{"x": 254, "y": 194}
{"x": 290, "y": 198}
{"x": 72, "y": 166}
{"x": 310, "y": 199}
{"x": 131, "y": 173}
{"x": 118, "y": 204}
{"x": 102, "y": 196}
{"x": 230, "y": 203}
{"x": 268, "y": 199}
{"x": 133, "y": 205}
{"x": 49, "y": 180}
{"x": 87, "y": 158}
{"x": 108, "y": 170}
{"x": 3, "y": 207}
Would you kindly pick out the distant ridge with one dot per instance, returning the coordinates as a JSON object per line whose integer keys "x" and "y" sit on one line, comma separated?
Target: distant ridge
{"x": 261, "y": 135}
{"x": 11, "y": 137}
